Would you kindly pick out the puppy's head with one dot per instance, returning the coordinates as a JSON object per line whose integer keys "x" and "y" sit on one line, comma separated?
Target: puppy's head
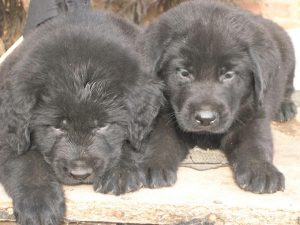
{"x": 76, "y": 88}
{"x": 80, "y": 130}
{"x": 79, "y": 122}
{"x": 210, "y": 76}
{"x": 91, "y": 94}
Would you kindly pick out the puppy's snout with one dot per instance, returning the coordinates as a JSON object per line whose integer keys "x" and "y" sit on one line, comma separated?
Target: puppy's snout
{"x": 81, "y": 173}
{"x": 206, "y": 117}
{"x": 80, "y": 170}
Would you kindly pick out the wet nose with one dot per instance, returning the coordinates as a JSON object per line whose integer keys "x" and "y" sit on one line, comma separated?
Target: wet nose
{"x": 81, "y": 173}
{"x": 80, "y": 170}
{"x": 206, "y": 117}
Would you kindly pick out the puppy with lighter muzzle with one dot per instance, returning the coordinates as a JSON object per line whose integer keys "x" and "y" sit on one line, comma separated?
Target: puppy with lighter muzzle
{"x": 227, "y": 73}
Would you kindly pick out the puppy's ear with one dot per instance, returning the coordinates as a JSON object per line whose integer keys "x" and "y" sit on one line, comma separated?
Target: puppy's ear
{"x": 159, "y": 63}
{"x": 161, "y": 56}
{"x": 258, "y": 79}
{"x": 143, "y": 104}
{"x": 15, "y": 114}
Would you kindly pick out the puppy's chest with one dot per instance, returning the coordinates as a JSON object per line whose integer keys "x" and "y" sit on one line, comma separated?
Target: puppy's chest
{"x": 205, "y": 141}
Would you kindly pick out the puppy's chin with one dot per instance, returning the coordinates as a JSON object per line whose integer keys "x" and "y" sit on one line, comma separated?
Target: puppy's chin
{"x": 189, "y": 125}
{"x": 66, "y": 178}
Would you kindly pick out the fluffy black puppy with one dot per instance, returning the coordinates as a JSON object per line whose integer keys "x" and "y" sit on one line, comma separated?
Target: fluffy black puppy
{"x": 74, "y": 91}
{"x": 228, "y": 73}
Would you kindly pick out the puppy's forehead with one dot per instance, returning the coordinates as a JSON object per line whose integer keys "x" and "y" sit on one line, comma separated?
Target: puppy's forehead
{"x": 201, "y": 56}
{"x": 211, "y": 45}
{"x": 89, "y": 102}
{"x": 82, "y": 103}
{"x": 97, "y": 59}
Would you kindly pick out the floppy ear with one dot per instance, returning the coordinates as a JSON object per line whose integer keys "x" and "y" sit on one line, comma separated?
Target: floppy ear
{"x": 143, "y": 104}
{"x": 159, "y": 63}
{"x": 161, "y": 55}
{"x": 15, "y": 113}
{"x": 258, "y": 79}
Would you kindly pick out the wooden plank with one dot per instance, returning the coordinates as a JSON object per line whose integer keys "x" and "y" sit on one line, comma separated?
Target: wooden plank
{"x": 79, "y": 223}
{"x": 206, "y": 195}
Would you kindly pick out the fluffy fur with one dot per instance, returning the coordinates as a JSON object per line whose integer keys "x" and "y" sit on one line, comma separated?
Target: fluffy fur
{"x": 154, "y": 166}
{"x": 228, "y": 73}
{"x": 71, "y": 94}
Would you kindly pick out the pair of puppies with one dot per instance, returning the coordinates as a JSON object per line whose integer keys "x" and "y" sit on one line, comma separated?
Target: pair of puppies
{"x": 76, "y": 92}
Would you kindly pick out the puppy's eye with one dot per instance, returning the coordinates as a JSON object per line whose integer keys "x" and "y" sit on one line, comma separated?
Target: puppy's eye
{"x": 57, "y": 131}
{"x": 64, "y": 122}
{"x": 60, "y": 127}
{"x": 183, "y": 72}
{"x": 101, "y": 129}
{"x": 227, "y": 76}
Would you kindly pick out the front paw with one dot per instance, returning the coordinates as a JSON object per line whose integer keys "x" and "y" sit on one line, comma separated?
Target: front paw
{"x": 287, "y": 111}
{"x": 161, "y": 177}
{"x": 40, "y": 206}
{"x": 259, "y": 177}
{"x": 120, "y": 181}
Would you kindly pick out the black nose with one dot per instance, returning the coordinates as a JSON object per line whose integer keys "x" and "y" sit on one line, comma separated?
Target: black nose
{"x": 206, "y": 117}
{"x": 79, "y": 173}
{"x": 79, "y": 170}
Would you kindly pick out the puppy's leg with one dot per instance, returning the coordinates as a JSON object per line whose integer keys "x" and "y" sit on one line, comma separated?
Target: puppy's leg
{"x": 154, "y": 166}
{"x": 250, "y": 153}
{"x": 163, "y": 153}
{"x": 125, "y": 176}
{"x": 162, "y": 162}
{"x": 288, "y": 109}
{"x": 37, "y": 196}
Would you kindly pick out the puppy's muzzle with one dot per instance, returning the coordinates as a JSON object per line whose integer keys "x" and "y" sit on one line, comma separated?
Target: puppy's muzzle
{"x": 79, "y": 170}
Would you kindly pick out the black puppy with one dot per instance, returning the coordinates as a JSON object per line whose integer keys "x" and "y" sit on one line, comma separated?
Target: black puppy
{"x": 228, "y": 73}
{"x": 74, "y": 91}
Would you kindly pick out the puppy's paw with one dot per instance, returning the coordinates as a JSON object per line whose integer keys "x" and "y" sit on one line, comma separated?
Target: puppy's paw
{"x": 259, "y": 177}
{"x": 40, "y": 206}
{"x": 287, "y": 111}
{"x": 120, "y": 181}
{"x": 157, "y": 178}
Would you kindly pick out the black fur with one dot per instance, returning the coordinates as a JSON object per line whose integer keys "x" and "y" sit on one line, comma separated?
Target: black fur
{"x": 74, "y": 91}
{"x": 38, "y": 197}
{"x": 228, "y": 73}
{"x": 154, "y": 166}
